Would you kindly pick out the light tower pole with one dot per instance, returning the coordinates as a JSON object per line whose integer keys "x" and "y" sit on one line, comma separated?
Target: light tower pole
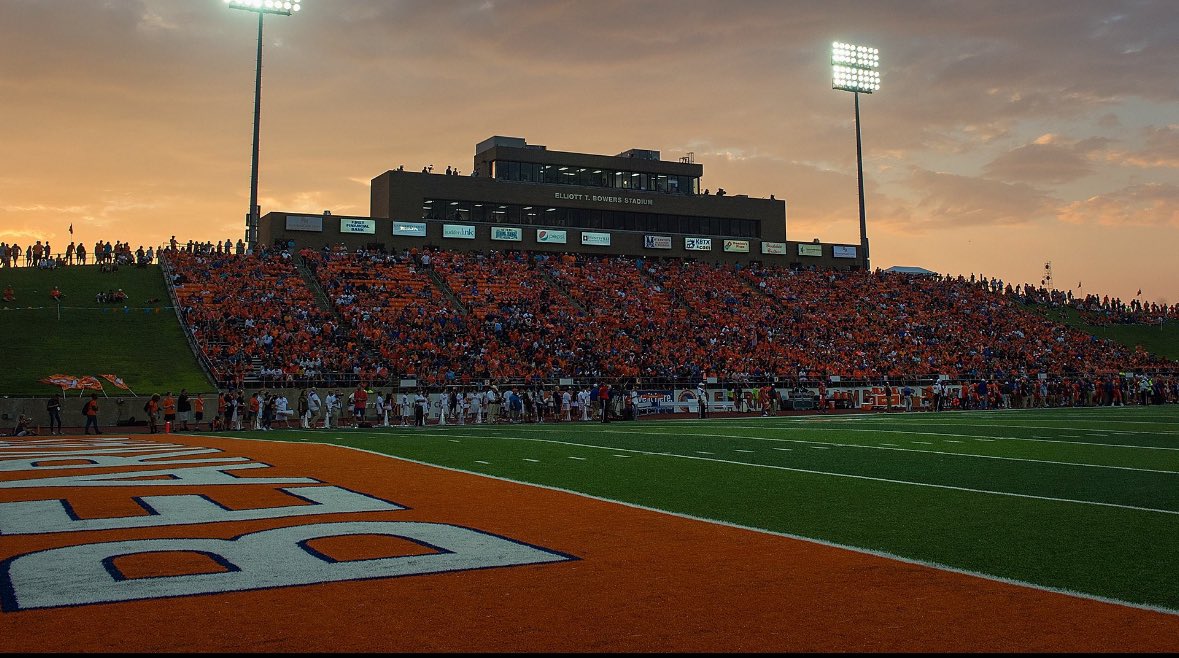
{"x": 855, "y": 69}
{"x": 260, "y": 7}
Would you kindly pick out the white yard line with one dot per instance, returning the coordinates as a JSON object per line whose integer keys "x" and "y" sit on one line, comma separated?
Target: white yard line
{"x": 887, "y": 446}
{"x": 851, "y": 476}
{"x": 810, "y": 540}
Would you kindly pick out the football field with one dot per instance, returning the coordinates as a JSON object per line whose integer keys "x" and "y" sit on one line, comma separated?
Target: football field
{"x": 1082, "y": 500}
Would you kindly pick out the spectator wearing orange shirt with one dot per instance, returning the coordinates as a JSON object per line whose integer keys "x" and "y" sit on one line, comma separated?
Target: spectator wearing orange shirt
{"x": 198, "y": 410}
{"x": 169, "y": 405}
{"x": 91, "y": 412}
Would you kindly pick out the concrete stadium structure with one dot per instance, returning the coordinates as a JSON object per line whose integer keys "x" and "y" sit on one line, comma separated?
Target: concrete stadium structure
{"x": 524, "y": 196}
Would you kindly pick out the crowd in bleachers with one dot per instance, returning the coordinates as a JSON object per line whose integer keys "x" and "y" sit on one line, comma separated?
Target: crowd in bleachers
{"x": 447, "y": 317}
{"x": 252, "y": 313}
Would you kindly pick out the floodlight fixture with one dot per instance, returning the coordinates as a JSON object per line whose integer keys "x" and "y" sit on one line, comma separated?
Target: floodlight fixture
{"x": 260, "y": 7}
{"x": 280, "y": 7}
{"x": 856, "y": 69}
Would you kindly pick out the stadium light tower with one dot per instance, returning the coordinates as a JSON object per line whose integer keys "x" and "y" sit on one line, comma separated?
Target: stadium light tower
{"x": 856, "y": 69}
{"x": 260, "y": 7}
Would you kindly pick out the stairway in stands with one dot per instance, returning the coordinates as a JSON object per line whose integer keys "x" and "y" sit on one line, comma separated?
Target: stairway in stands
{"x": 321, "y": 298}
{"x": 440, "y": 285}
{"x": 560, "y": 287}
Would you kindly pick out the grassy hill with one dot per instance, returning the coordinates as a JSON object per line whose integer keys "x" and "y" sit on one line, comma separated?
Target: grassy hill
{"x": 1159, "y": 339}
{"x": 143, "y": 344}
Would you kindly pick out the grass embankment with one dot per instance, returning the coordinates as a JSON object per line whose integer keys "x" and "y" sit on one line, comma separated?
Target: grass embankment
{"x": 1161, "y": 339}
{"x": 142, "y": 343}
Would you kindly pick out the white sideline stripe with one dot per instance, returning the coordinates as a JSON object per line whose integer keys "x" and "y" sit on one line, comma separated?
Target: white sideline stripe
{"x": 971, "y": 436}
{"x": 810, "y": 540}
{"x": 884, "y": 446}
{"x": 853, "y": 476}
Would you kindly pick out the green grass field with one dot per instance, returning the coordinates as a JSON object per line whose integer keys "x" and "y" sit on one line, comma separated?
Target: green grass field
{"x": 1085, "y": 500}
{"x": 147, "y": 349}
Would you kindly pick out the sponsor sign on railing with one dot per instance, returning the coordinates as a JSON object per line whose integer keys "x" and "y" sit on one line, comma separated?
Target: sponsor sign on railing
{"x": 737, "y": 246}
{"x": 776, "y": 248}
{"x": 657, "y": 241}
{"x": 549, "y": 236}
{"x": 595, "y": 239}
{"x": 409, "y": 228}
{"x": 508, "y": 234}
{"x": 312, "y": 223}
{"x": 368, "y": 226}
{"x": 458, "y": 231}
{"x": 810, "y": 250}
{"x": 843, "y": 251}
{"x": 698, "y": 244}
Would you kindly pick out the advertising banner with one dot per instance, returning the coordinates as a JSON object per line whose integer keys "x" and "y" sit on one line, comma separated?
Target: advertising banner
{"x": 810, "y": 250}
{"x": 737, "y": 246}
{"x": 657, "y": 241}
{"x": 841, "y": 251}
{"x": 368, "y": 226}
{"x": 549, "y": 236}
{"x": 508, "y": 234}
{"x": 409, "y": 228}
{"x": 698, "y": 244}
{"x": 657, "y": 401}
{"x": 459, "y": 231}
{"x": 595, "y": 239}
{"x": 310, "y": 223}
{"x": 776, "y": 248}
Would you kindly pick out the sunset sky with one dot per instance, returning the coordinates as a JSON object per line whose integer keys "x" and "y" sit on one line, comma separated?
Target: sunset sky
{"x": 1005, "y": 134}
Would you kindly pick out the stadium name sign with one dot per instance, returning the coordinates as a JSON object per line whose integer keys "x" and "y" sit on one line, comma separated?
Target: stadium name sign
{"x": 281, "y": 555}
{"x": 597, "y": 198}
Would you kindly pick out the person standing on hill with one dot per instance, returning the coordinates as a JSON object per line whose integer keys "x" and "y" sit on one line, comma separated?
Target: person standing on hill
{"x": 54, "y": 409}
{"x": 90, "y": 410}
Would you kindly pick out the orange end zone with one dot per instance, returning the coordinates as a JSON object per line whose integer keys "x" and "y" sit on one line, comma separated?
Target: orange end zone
{"x": 470, "y": 564}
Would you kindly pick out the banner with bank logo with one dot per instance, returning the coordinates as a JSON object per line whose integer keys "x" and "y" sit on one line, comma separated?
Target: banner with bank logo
{"x": 365, "y": 226}
{"x": 595, "y": 239}
{"x": 657, "y": 241}
{"x": 507, "y": 234}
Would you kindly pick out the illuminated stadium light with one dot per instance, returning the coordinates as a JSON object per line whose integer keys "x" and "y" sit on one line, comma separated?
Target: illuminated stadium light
{"x": 855, "y": 69}
{"x": 279, "y": 7}
{"x": 260, "y": 7}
